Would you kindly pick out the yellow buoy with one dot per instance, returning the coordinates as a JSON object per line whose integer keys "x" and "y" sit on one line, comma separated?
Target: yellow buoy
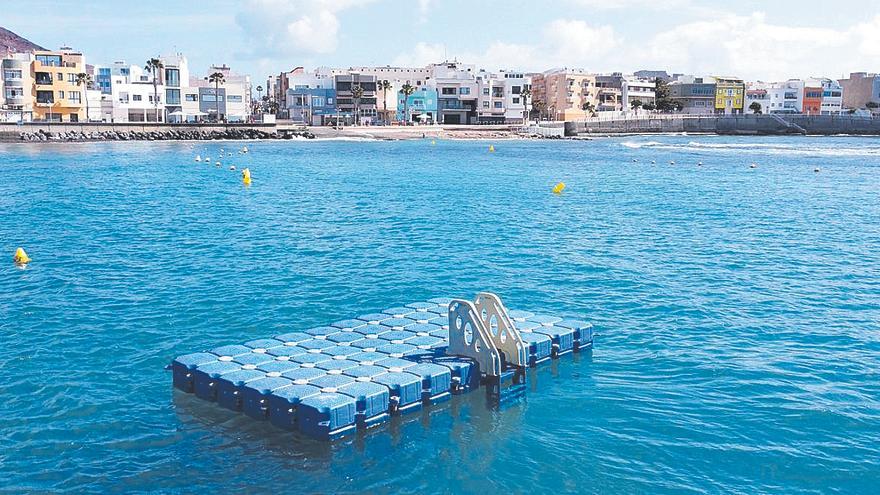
{"x": 558, "y": 188}
{"x": 491, "y": 148}
{"x": 246, "y": 176}
{"x": 433, "y": 142}
{"x": 21, "y": 257}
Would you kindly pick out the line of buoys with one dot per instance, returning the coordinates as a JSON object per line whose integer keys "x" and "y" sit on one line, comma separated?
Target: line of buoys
{"x": 246, "y": 176}
{"x": 20, "y": 257}
{"x": 558, "y": 188}
{"x": 491, "y": 148}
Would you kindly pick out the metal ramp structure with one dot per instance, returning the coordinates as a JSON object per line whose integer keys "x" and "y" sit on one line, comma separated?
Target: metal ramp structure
{"x": 330, "y": 381}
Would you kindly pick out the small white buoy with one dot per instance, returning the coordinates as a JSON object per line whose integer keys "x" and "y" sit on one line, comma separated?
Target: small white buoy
{"x": 218, "y": 164}
{"x": 207, "y": 159}
{"x": 198, "y": 158}
{"x": 244, "y": 149}
{"x": 653, "y": 162}
{"x": 754, "y": 165}
{"x": 635, "y": 160}
{"x": 232, "y": 167}
{"x": 699, "y": 164}
{"x": 672, "y": 162}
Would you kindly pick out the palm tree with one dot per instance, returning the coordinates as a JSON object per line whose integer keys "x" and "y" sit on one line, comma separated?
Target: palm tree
{"x": 259, "y": 93}
{"x": 155, "y": 66}
{"x": 407, "y": 89}
{"x": 217, "y": 78}
{"x": 539, "y": 106}
{"x": 635, "y": 104}
{"x": 589, "y": 107}
{"x": 384, "y": 85}
{"x": 85, "y": 80}
{"x": 525, "y": 99}
{"x": 357, "y": 92}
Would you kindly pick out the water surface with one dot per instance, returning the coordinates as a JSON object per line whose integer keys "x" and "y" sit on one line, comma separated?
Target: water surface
{"x": 737, "y": 310}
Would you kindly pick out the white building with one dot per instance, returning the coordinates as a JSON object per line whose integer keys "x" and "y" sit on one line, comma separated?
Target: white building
{"x": 134, "y": 97}
{"x": 500, "y": 98}
{"x": 234, "y": 98}
{"x": 832, "y": 94}
{"x": 458, "y": 92}
{"x": 786, "y": 97}
{"x": 16, "y": 100}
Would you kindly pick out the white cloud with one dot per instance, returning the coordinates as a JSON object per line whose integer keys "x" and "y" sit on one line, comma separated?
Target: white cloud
{"x": 750, "y": 46}
{"x": 629, "y": 4}
{"x": 286, "y": 27}
{"x": 561, "y": 42}
{"x": 424, "y": 9}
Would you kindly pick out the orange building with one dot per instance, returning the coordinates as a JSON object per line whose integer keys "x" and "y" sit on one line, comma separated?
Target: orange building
{"x": 58, "y": 97}
{"x": 812, "y": 101}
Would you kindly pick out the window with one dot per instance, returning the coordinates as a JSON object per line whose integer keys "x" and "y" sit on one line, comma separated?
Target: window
{"x": 329, "y": 101}
{"x": 45, "y": 97}
{"x": 11, "y": 74}
{"x": 137, "y": 98}
{"x": 211, "y": 98}
{"x": 71, "y": 77}
{"x": 60, "y": 76}
{"x": 172, "y": 96}
{"x": 43, "y": 77}
{"x": 49, "y": 60}
{"x": 192, "y": 97}
{"x": 464, "y": 91}
{"x": 486, "y": 91}
{"x": 61, "y": 95}
{"x": 234, "y": 98}
{"x": 515, "y": 101}
{"x": 74, "y": 96}
{"x": 317, "y": 101}
{"x": 516, "y": 90}
{"x": 485, "y": 104}
{"x": 448, "y": 91}
{"x": 499, "y": 104}
{"x": 14, "y": 92}
{"x": 172, "y": 77}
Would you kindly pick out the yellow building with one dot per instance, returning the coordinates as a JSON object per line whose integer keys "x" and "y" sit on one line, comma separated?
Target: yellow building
{"x": 561, "y": 94}
{"x": 729, "y": 95}
{"x": 58, "y": 97}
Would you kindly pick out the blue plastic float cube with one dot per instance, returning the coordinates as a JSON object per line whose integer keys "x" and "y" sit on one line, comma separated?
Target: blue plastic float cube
{"x": 436, "y": 381}
{"x": 331, "y": 382}
{"x": 374, "y": 318}
{"x": 293, "y": 337}
{"x": 255, "y": 358}
{"x": 302, "y": 376}
{"x": 256, "y": 394}
{"x": 263, "y": 343}
{"x": 367, "y": 371}
{"x": 327, "y": 415}
{"x": 399, "y": 311}
{"x": 343, "y": 337}
{"x": 278, "y": 366}
{"x": 540, "y": 347}
{"x": 323, "y": 331}
{"x": 230, "y": 387}
{"x": 348, "y": 325}
{"x": 205, "y": 377}
{"x": 583, "y": 332}
{"x": 421, "y": 305}
{"x": 465, "y": 373}
{"x": 563, "y": 339}
{"x": 283, "y": 404}
{"x": 230, "y": 350}
{"x": 371, "y": 402}
{"x": 182, "y": 369}
{"x": 405, "y": 389}
{"x": 337, "y": 364}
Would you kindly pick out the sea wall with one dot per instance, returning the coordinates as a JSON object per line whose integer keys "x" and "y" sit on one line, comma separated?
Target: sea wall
{"x": 142, "y": 132}
{"x": 736, "y": 124}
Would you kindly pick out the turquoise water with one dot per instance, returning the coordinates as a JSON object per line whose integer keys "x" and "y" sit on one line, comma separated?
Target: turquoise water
{"x": 737, "y": 310}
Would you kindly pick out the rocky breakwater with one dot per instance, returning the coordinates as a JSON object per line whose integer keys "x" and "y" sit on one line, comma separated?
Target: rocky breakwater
{"x": 162, "y": 135}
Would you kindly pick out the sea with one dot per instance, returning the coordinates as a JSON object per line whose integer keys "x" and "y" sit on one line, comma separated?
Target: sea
{"x": 733, "y": 284}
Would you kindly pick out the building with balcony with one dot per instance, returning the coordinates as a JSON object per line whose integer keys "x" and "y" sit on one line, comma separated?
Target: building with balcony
{"x": 16, "y": 88}
{"x": 861, "y": 90}
{"x": 832, "y": 95}
{"x": 311, "y": 106}
{"x": 230, "y": 102}
{"x": 133, "y": 96}
{"x": 58, "y": 97}
{"x": 361, "y": 110}
{"x": 387, "y": 99}
{"x": 757, "y": 94}
{"x": 730, "y": 95}
{"x": 457, "y": 92}
{"x": 419, "y": 107}
{"x": 696, "y": 94}
{"x": 563, "y": 94}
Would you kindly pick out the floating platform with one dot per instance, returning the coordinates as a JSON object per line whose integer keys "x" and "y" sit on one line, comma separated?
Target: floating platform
{"x": 330, "y": 381}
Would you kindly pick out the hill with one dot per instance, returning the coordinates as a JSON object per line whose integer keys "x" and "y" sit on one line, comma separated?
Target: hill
{"x": 11, "y": 42}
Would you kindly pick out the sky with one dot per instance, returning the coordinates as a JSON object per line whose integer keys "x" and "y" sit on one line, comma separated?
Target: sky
{"x": 758, "y": 40}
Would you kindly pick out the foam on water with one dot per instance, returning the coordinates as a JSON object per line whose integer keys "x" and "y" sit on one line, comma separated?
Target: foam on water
{"x": 737, "y": 310}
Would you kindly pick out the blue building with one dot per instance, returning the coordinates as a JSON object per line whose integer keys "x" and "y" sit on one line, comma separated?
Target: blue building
{"x": 421, "y": 106}
{"x": 102, "y": 80}
{"x": 312, "y": 106}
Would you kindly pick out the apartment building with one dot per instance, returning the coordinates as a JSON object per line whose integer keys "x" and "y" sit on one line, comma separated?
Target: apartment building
{"x": 54, "y": 75}
{"x": 832, "y": 95}
{"x": 133, "y": 96}
{"x": 499, "y": 99}
{"x": 564, "y": 94}
{"x": 360, "y": 110}
{"x": 618, "y": 92}
{"x": 419, "y": 107}
{"x": 730, "y": 95}
{"x": 861, "y": 90}
{"x": 228, "y": 101}
{"x": 387, "y": 99}
{"x": 457, "y": 92}
{"x": 696, "y": 94}
{"x": 16, "y": 88}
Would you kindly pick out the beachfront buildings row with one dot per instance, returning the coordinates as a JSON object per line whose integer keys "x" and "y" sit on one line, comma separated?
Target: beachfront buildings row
{"x": 448, "y": 93}
{"x": 58, "y": 86}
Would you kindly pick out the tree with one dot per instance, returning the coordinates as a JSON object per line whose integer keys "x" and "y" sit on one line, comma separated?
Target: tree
{"x": 217, "y": 79}
{"x": 384, "y": 85}
{"x": 636, "y": 104}
{"x": 677, "y": 105}
{"x": 589, "y": 107}
{"x": 526, "y": 93}
{"x": 661, "y": 88}
{"x": 357, "y": 92}
{"x": 539, "y": 106}
{"x": 259, "y": 93}
{"x": 871, "y": 105}
{"x": 649, "y": 106}
{"x": 407, "y": 90}
{"x": 84, "y": 80}
{"x": 755, "y": 107}
{"x": 155, "y": 66}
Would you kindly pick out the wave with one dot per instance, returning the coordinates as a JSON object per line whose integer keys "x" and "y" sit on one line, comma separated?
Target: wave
{"x": 761, "y": 148}
{"x": 637, "y": 144}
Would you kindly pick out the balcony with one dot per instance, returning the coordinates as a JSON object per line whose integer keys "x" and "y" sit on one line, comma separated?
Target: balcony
{"x": 43, "y": 79}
